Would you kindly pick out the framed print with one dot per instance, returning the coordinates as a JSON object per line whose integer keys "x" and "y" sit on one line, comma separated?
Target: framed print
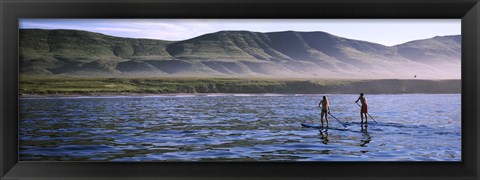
{"x": 224, "y": 89}
{"x": 206, "y": 91}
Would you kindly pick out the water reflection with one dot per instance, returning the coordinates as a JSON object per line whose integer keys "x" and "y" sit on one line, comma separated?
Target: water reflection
{"x": 324, "y": 136}
{"x": 365, "y": 138}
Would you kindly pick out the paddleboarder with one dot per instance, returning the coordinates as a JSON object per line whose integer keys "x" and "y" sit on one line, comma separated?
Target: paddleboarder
{"x": 364, "y": 107}
{"x": 325, "y": 106}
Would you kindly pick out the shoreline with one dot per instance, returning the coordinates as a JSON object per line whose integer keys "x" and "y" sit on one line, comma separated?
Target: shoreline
{"x": 145, "y": 86}
{"x": 112, "y": 95}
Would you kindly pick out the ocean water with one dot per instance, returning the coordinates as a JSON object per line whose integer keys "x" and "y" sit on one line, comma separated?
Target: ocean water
{"x": 239, "y": 127}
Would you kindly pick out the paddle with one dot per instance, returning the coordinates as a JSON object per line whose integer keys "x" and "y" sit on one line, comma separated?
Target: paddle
{"x": 338, "y": 120}
{"x": 367, "y": 113}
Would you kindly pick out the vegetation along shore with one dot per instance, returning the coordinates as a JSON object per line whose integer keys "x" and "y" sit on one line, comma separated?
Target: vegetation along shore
{"x": 35, "y": 85}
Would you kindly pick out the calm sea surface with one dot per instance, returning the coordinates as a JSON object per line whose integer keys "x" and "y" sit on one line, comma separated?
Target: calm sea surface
{"x": 238, "y": 127}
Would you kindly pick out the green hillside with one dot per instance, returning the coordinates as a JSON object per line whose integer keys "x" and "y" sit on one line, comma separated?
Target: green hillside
{"x": 235, "y": 54}
{"x": 71, "y": 51}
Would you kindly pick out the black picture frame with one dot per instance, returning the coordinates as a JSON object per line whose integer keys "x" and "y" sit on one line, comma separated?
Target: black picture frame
{"x": 466, "y": 10}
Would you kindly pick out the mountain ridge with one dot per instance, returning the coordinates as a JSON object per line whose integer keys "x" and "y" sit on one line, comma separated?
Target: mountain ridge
{"x": 236, "y": 54}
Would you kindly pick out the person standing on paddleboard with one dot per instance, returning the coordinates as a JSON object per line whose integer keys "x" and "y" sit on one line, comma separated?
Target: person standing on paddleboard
{"x": 325, "y": 106}
{"x": 364, "y": 107}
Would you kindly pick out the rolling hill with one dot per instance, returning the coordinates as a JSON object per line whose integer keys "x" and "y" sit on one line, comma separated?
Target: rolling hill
{"x": 287, "y": 54}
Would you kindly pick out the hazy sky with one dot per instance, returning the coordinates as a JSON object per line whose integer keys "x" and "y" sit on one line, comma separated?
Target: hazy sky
{"x": 387, "y": 31}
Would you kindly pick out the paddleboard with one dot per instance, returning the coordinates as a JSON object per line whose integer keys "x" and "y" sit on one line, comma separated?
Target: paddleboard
{"x": 320, "y": 127}
{"x": 312, "y": 126}
{"x": 358, "y": 123}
